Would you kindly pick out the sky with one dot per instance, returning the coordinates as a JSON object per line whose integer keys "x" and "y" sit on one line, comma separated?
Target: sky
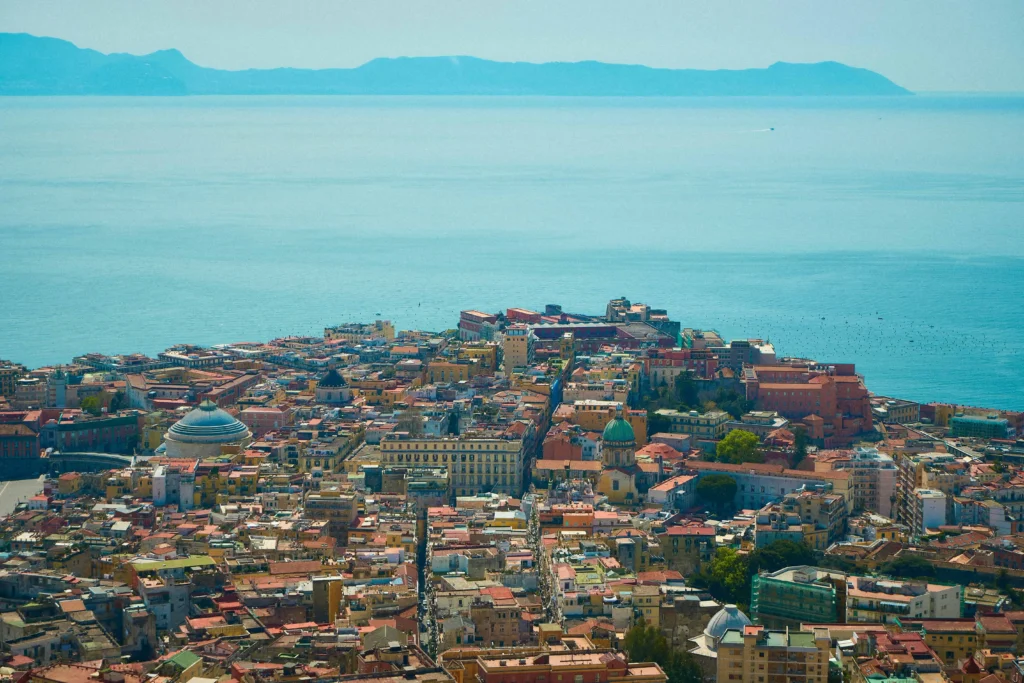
{"x": 923, "y": 45}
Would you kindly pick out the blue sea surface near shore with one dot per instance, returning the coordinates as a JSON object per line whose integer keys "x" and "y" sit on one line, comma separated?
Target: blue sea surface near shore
{"x": 883, "y": 232}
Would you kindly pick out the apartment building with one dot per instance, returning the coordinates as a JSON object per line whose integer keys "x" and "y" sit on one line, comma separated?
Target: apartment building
{"x": 517, "y": 347}
{"x": 812, "y": 516}
{"x": 929, "y": 511}
{"x": 883, "y": 601}
{"x": 355, "y": 333}
{"x": 477, "y": 462}
{"x": 873, "y": 477}
{"x": 797, "y": 595}
{"x": 758, "y": 655}
{"x": 937, "y": 471}
{"x": 710, "y": 425}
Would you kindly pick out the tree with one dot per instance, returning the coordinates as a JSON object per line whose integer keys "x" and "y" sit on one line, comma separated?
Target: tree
{"x": 732, "y": 402}
{"x": 800, "y": 440}
{"x": 726, "y": 577}
{"x": 778, "y": 555}
{"x": 738, "y": 447}
{"x": 92, "y": 405}
{"x": 909, "y": 567}
{"x": 646, "y": 643}
{"x": 682, "y": 667}
{"x": 350, "y": 665}
{"x": 717, "y": 490}
{"x": 657, "y": 423}
{"x": 117, "y": 402}
{"x": 685, "y": 390}
{"x": 837, "y": 562}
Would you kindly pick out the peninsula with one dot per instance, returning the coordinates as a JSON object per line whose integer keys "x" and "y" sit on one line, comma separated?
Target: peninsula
{"x": 31, "y": 65}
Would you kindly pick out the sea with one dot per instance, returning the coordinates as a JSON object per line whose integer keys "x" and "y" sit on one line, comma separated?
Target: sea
{"x": 886, "y": 232}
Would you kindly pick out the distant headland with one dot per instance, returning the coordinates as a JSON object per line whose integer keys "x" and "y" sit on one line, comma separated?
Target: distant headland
{"x": 31, "y": 65}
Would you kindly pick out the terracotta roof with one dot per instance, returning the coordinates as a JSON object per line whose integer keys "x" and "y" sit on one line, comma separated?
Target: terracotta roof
{"x": 552, "y": 464}
{"x": 690, "y": 530}
{"x": 302, "y": 567}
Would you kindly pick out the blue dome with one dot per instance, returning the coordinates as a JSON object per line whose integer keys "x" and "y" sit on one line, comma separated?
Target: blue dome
{"x": 729, "y": 617}
{"x": 208, "y": 423}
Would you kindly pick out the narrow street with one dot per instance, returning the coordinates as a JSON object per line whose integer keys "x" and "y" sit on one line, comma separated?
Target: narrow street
{"x": 546, "y": 581}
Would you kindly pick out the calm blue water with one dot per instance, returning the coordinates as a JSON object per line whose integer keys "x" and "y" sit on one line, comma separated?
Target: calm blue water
{"x": 132, "y": 224}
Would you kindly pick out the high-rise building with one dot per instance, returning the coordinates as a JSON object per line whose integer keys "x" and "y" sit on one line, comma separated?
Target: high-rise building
{"x": 757, "y": 655}
{"x": 874, "y": 480}
{"x": 933, "y": 470}
{"x": 517, "y": 347}
{"x": 929, "y": 510}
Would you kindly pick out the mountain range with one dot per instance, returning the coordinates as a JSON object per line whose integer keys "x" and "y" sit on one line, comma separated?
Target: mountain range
{"x": 32, "y": 65}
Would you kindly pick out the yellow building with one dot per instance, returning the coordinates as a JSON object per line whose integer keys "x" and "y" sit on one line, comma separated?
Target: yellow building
{"x": 327, "y": 594}
{"x": 118, "y": 484}
{"x": 476, "y": 461}
{"x": 449, "y": 371}
{"x": 143, "y": 484}
{"x": 208, "y": 483}
{"x": 9, "y": 375}
{"x": 619, "y": 486}
{"x": 69, "y": 484}
{"x": 333, "y": 505}
{"x": 953, "y": 639}
{"x": 322, "y": 456}
{"x": 380, "y": 392}
{"x": 154, "y": 426}
{"x": 618, "y": 454}
{"x": 364, "y": 456}
{"x": 757, "y": 655}
{"x": 507, "y": 519}
{"x": 357, "y": 332}
{"x": 485, "y": 353}
{"x": 943, "y": 414}
{"x": 242, "y": 481}
{"x": 593, "y": 415}
{"x": 647, "y": 600}
{"x": 517, "y": 347}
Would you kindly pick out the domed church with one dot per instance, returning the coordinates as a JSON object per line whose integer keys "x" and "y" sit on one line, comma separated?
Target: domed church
{"x": 618, "y": 442}
{"x": 706, "y": 650}
{"x": 333, "y": 389}
{"x": 618, "y": 455}
{"x": 205, "y": 432}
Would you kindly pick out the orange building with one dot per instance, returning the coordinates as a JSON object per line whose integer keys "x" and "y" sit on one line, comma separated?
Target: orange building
{"x": 834, "y": 393}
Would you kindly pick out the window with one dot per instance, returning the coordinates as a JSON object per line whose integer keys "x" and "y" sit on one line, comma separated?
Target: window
{"x": 615, "y": 485}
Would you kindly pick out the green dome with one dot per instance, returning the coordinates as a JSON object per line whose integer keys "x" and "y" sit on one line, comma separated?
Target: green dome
{"x": 618, "y": 430}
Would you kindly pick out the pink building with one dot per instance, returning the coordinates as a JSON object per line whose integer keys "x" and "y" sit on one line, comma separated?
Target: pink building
{"x": 263, "y": 420}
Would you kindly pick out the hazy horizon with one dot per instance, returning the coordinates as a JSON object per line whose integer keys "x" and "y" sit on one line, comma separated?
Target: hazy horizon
{"x": 919, "y": 45}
